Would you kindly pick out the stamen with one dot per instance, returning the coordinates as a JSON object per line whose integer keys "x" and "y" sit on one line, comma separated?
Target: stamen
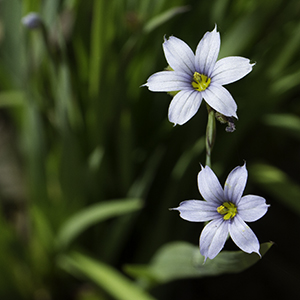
{"x": 200, "y": 82}
{"x": 228, "y": 209}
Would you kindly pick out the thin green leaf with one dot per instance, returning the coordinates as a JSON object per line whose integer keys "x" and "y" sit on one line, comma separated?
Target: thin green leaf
{"x": 95, "y": 159}
{"x": 109, "y": 279}
{"x": 97, "y": 47}
{"x": 286, "y": 82}
{"x": 288, "y": 122}
{"x": 180, "y": 260}
{"x": 12, "y": 98}
{"x": 43, "y": 231}
{"x": 164, "y": 17}
{"x": 184, "y": 162}
{"x": 278, "y": 184}
{"x": 287, "y": 53}
{"x": 92, "y": 215}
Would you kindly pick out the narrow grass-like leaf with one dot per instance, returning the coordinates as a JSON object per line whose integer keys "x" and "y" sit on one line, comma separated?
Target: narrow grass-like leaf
{"x": 239, "y": 36}
{"x": 109, "y": 279}
{"x": 142, "y": 184}
{"x": 289, "y": 50}
{"x": 288, "y": 122}
{"x": 43, "y": 231}
{"x": 92, "y": 215}
{"x": 11, "y": 98}
{"x": 50, "y": 9}
{"x": 187, "y": 157}
{"x": 278, "y": 184}
{"x": 97, "y": 47}
{"x": 164, "y": 17}
{"x": 282, "y": 84}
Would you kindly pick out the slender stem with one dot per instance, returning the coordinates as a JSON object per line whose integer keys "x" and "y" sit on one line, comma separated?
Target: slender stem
{"x": 210, "y": 134}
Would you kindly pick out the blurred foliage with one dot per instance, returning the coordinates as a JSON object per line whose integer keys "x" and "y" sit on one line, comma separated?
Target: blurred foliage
{"x": 89, "y": 163}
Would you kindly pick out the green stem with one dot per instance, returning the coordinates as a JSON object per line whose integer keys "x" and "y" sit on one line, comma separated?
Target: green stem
{"x": 210, "y": 134}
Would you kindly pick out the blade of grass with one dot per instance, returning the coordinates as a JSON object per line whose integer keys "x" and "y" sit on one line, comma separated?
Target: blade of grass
{"x": 109, "y": 279}
{"x": 92, "y": 215}
{"x": 97, "y": 47}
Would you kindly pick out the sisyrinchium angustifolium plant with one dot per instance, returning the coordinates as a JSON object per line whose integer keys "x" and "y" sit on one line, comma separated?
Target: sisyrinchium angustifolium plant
{"x": 90, "y": 164}
{"x": 194, "y": 77}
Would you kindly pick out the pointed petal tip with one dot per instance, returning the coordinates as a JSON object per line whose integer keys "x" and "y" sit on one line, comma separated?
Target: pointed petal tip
{"x": 232, "y": 114}
{"x": 244, "y": 167}
{"x": 254, "y": 251}
{"x": 173, "y": 208}
{"x": 214, "y": 32}
{"x": 167, "y": 39}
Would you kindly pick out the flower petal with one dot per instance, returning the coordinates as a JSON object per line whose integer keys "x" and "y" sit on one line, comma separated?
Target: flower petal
{"x": 252, "y": 208}
{"x": 184, "y": 106}
{"x": 179, "y": 55}
{"x": 220, "y": 99}
{"x": 210, "y": 187}
{"x": 207, "y": 52}
{"x": 243, "y": 236}
{"x": 231, "y": 69}
{"x": 213, "y": 238}
{"x": 168, "y": 81}
{"x": 197, "y": 211}
{"x": 235, "y": 184}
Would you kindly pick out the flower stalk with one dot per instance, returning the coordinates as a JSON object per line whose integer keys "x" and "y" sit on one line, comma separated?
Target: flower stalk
{"x": 210, "y": 134}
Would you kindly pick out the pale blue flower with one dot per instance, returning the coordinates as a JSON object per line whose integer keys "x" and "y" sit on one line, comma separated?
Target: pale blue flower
{"x": 227, "y": 210}
{"x": 197, "y": 76}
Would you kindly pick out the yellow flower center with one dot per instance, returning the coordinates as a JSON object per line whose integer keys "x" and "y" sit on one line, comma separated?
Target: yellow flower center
{"x": 200, "y": 82}
{"x": 228, "y": 209}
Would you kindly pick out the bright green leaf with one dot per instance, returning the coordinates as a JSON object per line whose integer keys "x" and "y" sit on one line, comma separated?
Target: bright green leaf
{"x": 179, "y": 260}
{"x": 109, "y": 279}
{"x": 94, "y": 214}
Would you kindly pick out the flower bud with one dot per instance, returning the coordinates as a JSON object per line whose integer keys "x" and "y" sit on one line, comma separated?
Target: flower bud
{"x": 32, "y": 20}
